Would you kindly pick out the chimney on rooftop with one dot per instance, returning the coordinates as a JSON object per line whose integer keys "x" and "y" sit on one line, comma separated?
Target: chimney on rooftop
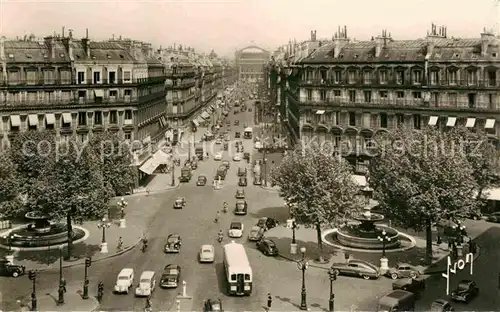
{"x": 2, "y": 48}
{"x": 68, "y": 44}
{"x": 486, "y": 38}
{"x": 381, "y": 42}
{"x": 340, "y": 39}
{"x": 86, "y": 43}
{"x": 51, "y": 45}
{"x": 313, "y": 35}
{"x": 63, "y": 31}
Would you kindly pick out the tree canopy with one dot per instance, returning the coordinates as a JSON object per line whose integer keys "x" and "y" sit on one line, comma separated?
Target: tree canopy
{"x": 318, "y": 185}
{"x": 422, "y": 176}
{"x": 9, "y": 187}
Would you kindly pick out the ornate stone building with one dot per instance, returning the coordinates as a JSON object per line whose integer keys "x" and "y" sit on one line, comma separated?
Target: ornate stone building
{"x": 250, "y": 62}
{"x": 345, "y": 91}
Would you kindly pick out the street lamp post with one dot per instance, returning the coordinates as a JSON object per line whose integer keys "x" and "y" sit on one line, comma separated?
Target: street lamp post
{"x": 303, "y": 265}
{"x": 104, "y": 224}
{"x": 88, "y": 263}
{"x": 122, "y": 204}
{"x": 62, "y": 283}
{"x": 332, "y": 274}
{"x": 32, "y": 277}
{"x": 173, "y": 166}
{"x": 384, "y": 262}
{"x": 459, "y": 232}
{"x": 264, "y": 161}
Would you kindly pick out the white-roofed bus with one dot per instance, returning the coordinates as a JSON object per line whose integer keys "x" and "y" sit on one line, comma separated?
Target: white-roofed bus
{"x": 238, "y": 271}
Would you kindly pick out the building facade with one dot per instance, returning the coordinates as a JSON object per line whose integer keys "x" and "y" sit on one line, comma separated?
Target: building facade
{"x": 345, "y": 92}
{"x": 250, "y": 62}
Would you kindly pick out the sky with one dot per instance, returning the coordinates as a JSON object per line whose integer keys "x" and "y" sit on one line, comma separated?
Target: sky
{"x": 228, "y": 25}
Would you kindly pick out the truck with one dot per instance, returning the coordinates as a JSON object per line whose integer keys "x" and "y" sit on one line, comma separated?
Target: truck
{"x": 397, "y": 300}
{"x": 199, "y": 150}
{"x": 186, "y": 174}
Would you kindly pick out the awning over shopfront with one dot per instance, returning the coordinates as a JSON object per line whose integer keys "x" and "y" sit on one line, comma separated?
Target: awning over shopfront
{"x": 320, "y": 112}
{"x": 195, "y": 122}
{"x": 433, "y": 120}
{"x": 205, "y": 115}
{"x": 33, "y": 120}
{"x": 470, "y": 122}
{"x": 50, "y": 119}
{"x": 66, "y": 118}
{"x": 451, "y": 122}
{"x": 15, "y": 120}
{"x": 159, "y": 158}
{"x": 490, "y": 124}
{"x": 99, "y": 93}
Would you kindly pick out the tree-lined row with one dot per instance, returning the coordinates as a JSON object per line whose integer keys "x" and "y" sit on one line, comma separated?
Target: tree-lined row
{"x": 419, "y": 178}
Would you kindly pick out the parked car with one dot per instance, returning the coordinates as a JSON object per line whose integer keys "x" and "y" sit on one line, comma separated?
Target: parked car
{"x": 173, "y": 244}
{"x": 237, "y": 135}
{"x": 267, "y": 223}
{"x": 8, "y": 269}
{"x": 242, "y": 181}
{"x": 465, "y": 291}
{"x": 227, "y": 164}
{"x": 236, "y": 229}
{"x": 242, "y": 171}
{"x": 494, "y": 217}
{"x": 359, "y": 268}
{"x": 414, "y": 285}
{"x": 267, "y": 247}
{"x": 202, "y": 180}
{"x": 236, "y": 122}
{"x": 212, "y": 305}
{"x": 240, "y": 194}
{"x": 170, "y": 276}
{"x": 218, "y": 156}
{"x": 441, "y": 305}
{"x": 237, "y": 157}
{"x": 206, "y": 254}
{"x": 179, "y": 203}
{"x": 124, "y": 281}
{"x": 402, "y": 270}
{"x": 147, "y": 284}
{"x": 256, "y": 233}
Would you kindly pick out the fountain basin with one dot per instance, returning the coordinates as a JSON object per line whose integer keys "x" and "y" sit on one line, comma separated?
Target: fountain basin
{"x": 56, "y": 235}
{"x": 355, "y": 237}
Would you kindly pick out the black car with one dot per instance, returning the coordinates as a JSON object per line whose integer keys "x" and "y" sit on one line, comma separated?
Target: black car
{"x": 212, "y": 305}
{"x": 170, "y": 276}
{"x": 242, "y": 181}
{"x": 267, "y": 247}
{"x": 441, "y": 305}
{"x": 413, "y": 285}
{"x": 267, "y": 223}
{"x": 8, "y": 269}
{"x": 465, "y": 291}
{"x": 246, "y": 155}
{"x": 237, "y": 135}
{"x": 236, "y": 122}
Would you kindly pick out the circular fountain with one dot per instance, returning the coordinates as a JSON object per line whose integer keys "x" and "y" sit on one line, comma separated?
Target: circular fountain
{"x": 39, "y": 232}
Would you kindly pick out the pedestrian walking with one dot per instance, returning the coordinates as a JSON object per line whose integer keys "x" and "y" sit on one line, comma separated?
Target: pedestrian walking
{"x": 63, "y": 284}
{"x": 269, "y": 301}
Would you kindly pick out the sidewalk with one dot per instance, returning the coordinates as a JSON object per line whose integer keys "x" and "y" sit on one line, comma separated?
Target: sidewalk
{"x": 72, "y": 302}
{"x": 137, "y": 218}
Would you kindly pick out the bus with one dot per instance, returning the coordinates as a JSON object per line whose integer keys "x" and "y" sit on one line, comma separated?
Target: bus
{"x": 238, "y": 270}
{"x": 247, "y": 133}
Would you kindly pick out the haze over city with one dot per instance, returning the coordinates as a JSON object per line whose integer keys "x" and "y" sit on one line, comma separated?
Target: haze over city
{"x": 228, "y": 25}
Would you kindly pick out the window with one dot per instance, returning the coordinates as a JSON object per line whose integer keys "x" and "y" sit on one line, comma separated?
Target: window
{"x": 367, "y": 77}
{"x": 112, "y": 77}
{"x": 368, "y": 96}
{"x": 400, "y": 77}
{"x": 417, "y": 77}
{"x": 113, "y": 117}
{"x": 247, "y": 277}
{"x": 352, "y": 119}
{"x": 323, "y": 74}
{"x": 452, "y": 76}
{"x": 471, "y": 98}
{"x": 351, "y": 77}
{"x": 128, "y": 114}
{"x": 82, "y": 118}
{"x": 48, "y": 77}
{"x": 416, "y": 121}
{"x": 128, "y": 92}
{"x": 82, "y": 137}
{"x": 32, "y": 97}
{"x": 97, "y": 77}
{"x": 322, "y": 95}
{"x": 49, "y": 97}
{"x": 491, "y": 101}
{"x": 336, "y": 92}
{"x": 434, "y": 78}
{"x": 352, "y": 96}
{"x": 338, "y": 76}
{"x": 400, "y": 119}
{"x": 81, "y": 77}
{"x": 113, "y": 93}
{"x": 14, "y": 77}
{"x": 366, "y": 120}
{"x": 309, "y": 95}
{"x": 128, "y": 136}
{"x": 97, "y": 118}
{"x": 383, "y": 120}
{"x": 65, "y": 76}
{"x": 31, "y": 77}
{"x": 492, "y": 78}
{"x": 471, "y": 77}
{"x": 435, "y": 98}
{"x": 400, "y": 94}
{"x": 233, "y": 277}
{"x": 417, "y": 94}
{"x": 383, "y": 76}
{"x": 453, "y": 99}
{"x": 126, "y": 76}
{"x": 383, "y": 95}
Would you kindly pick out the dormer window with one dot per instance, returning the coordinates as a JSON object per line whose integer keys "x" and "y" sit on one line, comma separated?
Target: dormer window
{"x": 29, "y": 56}
{"x": 94, "y": 58}
{"x": 356, "y": 56}
{"x": 45, "y": 56}
{"x": 108, "y": 56}
{"x": 11, "y": 55}
{"x": 494, "y": 54}
{"x": 121, "y": 56}
{"x": 456, "y": 55}
{"x": 341, "y": 55}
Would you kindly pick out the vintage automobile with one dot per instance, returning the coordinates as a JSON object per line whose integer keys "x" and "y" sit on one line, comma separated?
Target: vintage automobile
{"x": 173, "y": 244}
{"x": 237, "y": 135}
{"x": 242, "y": 181}
{"x": 242, "y": 171}
{"x": 267, "y": 223}
{"x": 414, "y": 285}
{"x": 236, "y": 229}
{"x": 207, "y": 254}
{"x": 241, "y": 207}
{"x": 441, "y": 305}
{"x": 124, "y": 281}
{"x": 240, "y": 194}
{"x": 359, "y": 268}
{"x": 256, "y": 233}
{"x": 147, "y": 284}
{"x": 246, "y": 155}
{"x": 267, "y": 247}
{"x": 212, "y": 305}
{"x": 402, "y": 270}
{"x": 465, "y": 291}
{"x": 225, "y": 146}
{"x": 202, "y": 180}
{"x": 493, "y": 217}
{"x": 170, "y": 276}
{"x": 218, "y": 141}
{"x": 218, "y": 156}
{"x": 180, "y": 203}
{"x": 227, "y": 164}
{"x": 8, "y": 269}
{"x": 236, "y": 122}
{"x": 237, "y": 157}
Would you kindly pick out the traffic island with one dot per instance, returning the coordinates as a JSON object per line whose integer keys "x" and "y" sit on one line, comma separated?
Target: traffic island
{"x": 73, "y": 301}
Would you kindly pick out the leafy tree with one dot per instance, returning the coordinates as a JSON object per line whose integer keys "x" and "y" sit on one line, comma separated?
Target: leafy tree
{"x": 420, "y": 177}
{"x": 114, "y": 158}
{"x": 10, "y": 203}
{"x": 319, "y": 186}
{"x": 72, "y": 187}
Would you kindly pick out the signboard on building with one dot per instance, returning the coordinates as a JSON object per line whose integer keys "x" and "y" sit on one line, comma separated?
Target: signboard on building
{"x": 451, "y": 268}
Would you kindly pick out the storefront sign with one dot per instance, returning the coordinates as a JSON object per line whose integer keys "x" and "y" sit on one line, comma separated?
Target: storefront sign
{"x": 451, "y": 268}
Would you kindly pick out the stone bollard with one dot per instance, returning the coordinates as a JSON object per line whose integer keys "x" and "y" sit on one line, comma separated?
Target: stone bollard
{"x": 293, "y": 249}
{"x": 104, "y": 247}
{"x": 384, "y": 265}
{"x": 122, "y": 223}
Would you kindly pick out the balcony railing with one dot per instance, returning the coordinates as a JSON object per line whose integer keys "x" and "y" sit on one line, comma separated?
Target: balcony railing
{"x": 73, "y": 101}
{"x": 183, "y": 85}
{"x": 42, "y": 82}
{"x": 469, "y": 83}
{"x": 181, "y": 74}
